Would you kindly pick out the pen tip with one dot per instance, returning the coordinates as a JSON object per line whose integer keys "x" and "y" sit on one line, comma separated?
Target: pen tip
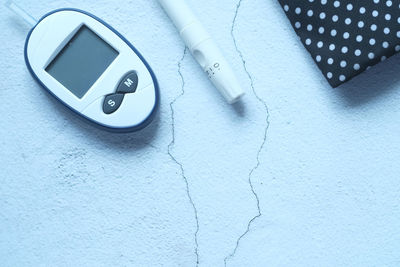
{"x": 236, "y": 98}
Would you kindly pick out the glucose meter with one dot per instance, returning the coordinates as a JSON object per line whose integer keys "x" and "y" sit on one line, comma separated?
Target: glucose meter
{"x": 92, "y": 69}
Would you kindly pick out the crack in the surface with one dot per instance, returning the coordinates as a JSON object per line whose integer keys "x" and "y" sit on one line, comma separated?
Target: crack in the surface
{"x": 265, "y": 106}
{"x": 170, "y": 147}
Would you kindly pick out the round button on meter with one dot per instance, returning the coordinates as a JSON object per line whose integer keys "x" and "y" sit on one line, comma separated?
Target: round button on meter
{"x": 92, "y": 69}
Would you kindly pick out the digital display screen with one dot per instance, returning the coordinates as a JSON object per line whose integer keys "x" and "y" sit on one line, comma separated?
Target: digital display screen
{"x": 82, "y": 61}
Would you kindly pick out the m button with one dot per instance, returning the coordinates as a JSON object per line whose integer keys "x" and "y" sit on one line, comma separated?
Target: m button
{"x": 129, "y": 83}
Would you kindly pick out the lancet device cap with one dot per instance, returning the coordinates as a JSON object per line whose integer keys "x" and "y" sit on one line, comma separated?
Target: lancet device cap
{"x": 204, "y": 49}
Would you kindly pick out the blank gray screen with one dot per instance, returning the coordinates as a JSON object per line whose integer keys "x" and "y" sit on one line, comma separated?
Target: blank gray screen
{"x": 82, "y": 61}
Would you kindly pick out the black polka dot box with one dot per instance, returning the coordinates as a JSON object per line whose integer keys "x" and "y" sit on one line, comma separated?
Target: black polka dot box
{"x": 346, "y": 37}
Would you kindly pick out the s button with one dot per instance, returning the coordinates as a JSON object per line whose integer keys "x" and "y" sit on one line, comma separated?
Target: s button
{"x": 112, "y": 103}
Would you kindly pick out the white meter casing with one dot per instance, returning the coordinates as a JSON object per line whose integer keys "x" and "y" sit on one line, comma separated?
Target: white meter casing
{"x": 93, "y": 70}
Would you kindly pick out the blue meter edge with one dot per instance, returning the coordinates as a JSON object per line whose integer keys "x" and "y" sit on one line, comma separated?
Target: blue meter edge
{"x": 138, "y": 127}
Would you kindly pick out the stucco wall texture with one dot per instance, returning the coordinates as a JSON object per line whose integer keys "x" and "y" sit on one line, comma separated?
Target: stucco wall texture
{"x": 297, "y": 174}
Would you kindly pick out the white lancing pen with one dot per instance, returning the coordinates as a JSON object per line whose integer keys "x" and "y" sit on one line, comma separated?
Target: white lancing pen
{"x": 204, "y": 49}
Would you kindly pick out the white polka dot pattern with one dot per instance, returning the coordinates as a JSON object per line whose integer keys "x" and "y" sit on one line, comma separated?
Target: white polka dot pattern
{"x": 346, "y": 37}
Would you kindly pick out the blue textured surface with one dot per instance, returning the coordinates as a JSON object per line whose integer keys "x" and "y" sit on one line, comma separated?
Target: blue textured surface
{"x": 311, "y": 172}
